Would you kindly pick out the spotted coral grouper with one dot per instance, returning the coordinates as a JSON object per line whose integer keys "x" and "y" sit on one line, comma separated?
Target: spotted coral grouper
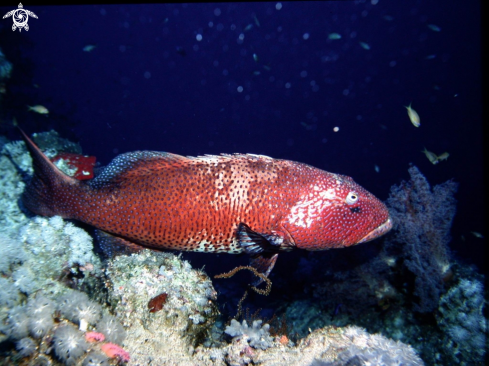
{"x": 221, "y": 204}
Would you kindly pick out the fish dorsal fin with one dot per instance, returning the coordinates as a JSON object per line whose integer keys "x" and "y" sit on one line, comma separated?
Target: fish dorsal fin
{"x": 137, "y": 161}
{"x": 223, "y": 157}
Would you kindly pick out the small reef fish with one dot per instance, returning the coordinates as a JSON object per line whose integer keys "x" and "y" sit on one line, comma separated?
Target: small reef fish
{"x": 38, "y": 109}
{"x": 477, "y": 235}
{"x": 89, "y": 48}
{"x": 443, "y": 156}
{"x": 334, "y": 36}
{"x": 221, "y": 204}
{"x": 413, "y": 116}
{"x": 431, "y": 156}
{"x": 434, "y": 27}
{"x": 365, "y": 46}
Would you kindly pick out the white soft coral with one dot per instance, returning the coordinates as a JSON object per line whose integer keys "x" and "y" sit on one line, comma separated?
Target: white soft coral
{"x": 69, "y": 344}
{"x": 77, "y": 307}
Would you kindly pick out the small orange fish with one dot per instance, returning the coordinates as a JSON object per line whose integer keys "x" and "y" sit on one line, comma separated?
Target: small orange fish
{"x": 228, "y": 203}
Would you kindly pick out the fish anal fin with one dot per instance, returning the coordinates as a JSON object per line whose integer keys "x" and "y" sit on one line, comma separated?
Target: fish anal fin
{"x": 113, "y": 245}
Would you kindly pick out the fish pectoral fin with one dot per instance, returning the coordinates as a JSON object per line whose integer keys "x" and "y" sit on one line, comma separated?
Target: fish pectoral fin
{"x": 254, "y": 243}
{"x": 113, "y": 245}
{"x": 264, "y": 264}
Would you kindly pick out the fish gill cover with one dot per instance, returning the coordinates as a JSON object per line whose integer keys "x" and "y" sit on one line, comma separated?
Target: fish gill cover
{"x": 322, "y": 83}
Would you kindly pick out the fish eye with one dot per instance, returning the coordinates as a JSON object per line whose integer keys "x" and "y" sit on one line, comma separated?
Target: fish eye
{"x": 351, "y": 198}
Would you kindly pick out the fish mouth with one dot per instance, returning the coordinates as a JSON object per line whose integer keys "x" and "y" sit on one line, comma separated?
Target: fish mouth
{"x": 378, "y": 231}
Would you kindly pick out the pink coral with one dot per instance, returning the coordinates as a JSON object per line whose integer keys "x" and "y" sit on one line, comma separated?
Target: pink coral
{"x": 94, "y": 337}
{"x": 113, "y": 350}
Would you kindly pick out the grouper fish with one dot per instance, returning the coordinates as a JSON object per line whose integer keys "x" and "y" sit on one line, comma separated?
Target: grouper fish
{"x": 217, "y": 204}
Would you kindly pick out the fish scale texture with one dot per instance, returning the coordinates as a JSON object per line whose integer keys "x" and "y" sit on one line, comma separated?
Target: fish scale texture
{"x": 167, "y": 201}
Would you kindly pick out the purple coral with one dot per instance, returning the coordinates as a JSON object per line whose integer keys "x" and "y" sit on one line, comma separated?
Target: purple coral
{"x": 422, "y": 219}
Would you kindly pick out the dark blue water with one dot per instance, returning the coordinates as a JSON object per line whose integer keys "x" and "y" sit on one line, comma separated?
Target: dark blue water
{"x": 264, "y": 78}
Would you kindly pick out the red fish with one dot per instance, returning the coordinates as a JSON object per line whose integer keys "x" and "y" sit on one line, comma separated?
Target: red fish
{"x": 81, "y": 166}
{"x": 228, "y": 203}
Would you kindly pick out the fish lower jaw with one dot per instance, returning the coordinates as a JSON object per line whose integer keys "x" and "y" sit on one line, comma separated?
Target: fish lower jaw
{"x": 378, "y": 231}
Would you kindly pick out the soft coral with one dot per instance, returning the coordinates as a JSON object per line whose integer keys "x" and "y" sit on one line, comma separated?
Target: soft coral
{"x": 112, "y": 350}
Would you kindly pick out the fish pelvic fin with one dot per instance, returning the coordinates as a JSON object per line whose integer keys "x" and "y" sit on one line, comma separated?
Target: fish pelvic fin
{"x": 263, "y": 264}
{"x": 263, "y": 249}
{"x": 47, "y": 182}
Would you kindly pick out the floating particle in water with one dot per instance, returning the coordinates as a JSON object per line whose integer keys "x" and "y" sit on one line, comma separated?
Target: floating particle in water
{"x": 336, "y": 129}
{"x": 257, "y": 22}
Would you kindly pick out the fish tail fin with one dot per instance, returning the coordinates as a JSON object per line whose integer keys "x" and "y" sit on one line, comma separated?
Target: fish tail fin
{"x": 43, "y": 193}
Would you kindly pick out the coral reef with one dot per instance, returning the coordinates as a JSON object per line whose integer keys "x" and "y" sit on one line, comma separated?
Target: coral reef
{"x": 257, "y": 336}
{"x": 460, "y": 315}
{"x": 42, "y": 322}
{"x": 325, "y": 346}
{"x": 185, "y": 318}
{"x": 153, "y": 308}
